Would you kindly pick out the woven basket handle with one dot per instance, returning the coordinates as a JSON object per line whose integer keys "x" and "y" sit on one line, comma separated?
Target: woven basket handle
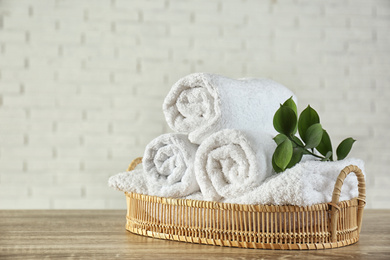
{"x": 336, "y": 196}
{"x": 134, "y": 163}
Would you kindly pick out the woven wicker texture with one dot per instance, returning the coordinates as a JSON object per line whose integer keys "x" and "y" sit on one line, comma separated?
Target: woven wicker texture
{"x": 320, "y": 226}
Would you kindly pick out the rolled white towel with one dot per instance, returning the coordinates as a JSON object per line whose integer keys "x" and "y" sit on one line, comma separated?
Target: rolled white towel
{"x": 231, "y": 163}
{"x": 168, "y": 163}
{"x": 201, "y": 104}
{"x": 307, "y": 183}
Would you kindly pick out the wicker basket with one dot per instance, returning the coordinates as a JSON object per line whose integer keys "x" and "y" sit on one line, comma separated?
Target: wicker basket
{"x": 320, "y": 226}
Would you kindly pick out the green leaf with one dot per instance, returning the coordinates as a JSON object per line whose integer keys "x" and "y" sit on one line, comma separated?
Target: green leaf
{"x": 276, "y": 168}
{"x": 283, "y": 154}
{"x": 307, "y": 118}
{"x": 327, "y": 156}
{"x": 291, "y": 104}
{"x": 280, "y": 138}
{"x": 325, "y": 145}
{"x": 344, "y": 148}
{"x": 285, "y": 120}
{"x": 313, "y": 136}
{"x": 296, "y": 157}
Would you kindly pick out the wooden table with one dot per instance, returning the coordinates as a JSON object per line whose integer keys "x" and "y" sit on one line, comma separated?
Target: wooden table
{"x": 100, "y": 234}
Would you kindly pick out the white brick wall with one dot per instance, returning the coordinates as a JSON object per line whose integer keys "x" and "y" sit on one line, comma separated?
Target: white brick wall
{"x": 81, "y": 84}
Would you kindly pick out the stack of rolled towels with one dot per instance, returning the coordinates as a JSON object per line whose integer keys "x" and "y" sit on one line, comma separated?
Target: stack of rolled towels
{"x": 222, "y": 145}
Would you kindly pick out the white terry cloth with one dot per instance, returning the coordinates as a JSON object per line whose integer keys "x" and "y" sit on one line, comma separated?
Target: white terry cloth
{"x": 168, "y": 163}
{"x": 132, "y": 181}
{"x": 194, "y": 196}
{"x": 231, "y": 163}
{"x": 201, "y": 104}
{"x": 307, "y": 183}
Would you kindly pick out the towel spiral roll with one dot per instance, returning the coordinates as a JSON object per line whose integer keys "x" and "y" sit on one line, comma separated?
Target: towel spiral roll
{"x": 168, "y": 163}
{"x": 201, "y": 104}
{"x": 229, "y": 164}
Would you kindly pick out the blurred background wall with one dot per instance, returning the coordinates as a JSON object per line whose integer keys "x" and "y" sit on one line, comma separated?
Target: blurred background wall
{"x": 82, "y": 82}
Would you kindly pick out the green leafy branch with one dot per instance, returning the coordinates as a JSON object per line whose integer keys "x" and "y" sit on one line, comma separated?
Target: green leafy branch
{"x": 290, "y": 149}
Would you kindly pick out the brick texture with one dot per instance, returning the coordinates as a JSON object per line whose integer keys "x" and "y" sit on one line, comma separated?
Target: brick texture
{"x": 81, "y": 84}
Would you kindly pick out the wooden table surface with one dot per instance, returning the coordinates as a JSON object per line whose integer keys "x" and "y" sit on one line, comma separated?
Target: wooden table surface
{"x": 100, "y": 234}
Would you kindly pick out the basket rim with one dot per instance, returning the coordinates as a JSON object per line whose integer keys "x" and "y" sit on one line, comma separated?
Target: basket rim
{"x": 238, "y": 207}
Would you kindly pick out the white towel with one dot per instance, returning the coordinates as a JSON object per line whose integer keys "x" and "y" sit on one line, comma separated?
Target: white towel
{"x": 168, "y": 163}
{"x": 307, "y": 183}
{"x": 231, "y": 163}
{"x": 201, "y": 104}
{"x": 132, "y": 181}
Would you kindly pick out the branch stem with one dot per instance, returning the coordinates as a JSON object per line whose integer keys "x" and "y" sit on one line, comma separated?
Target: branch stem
{"x": 306, "y": 150}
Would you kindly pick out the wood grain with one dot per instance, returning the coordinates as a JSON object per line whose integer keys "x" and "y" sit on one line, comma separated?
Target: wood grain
{"x": 101, "y": 234}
